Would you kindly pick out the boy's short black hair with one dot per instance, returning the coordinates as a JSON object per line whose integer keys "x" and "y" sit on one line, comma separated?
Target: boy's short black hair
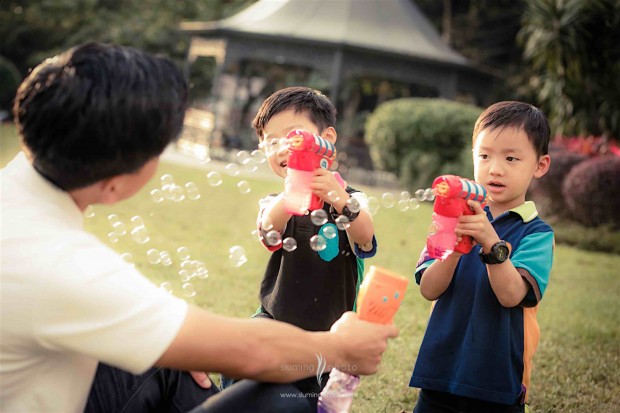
{"x": 522, "y": 116}
{"x": 97, "y": 111}
{"x": 321, "y": 110}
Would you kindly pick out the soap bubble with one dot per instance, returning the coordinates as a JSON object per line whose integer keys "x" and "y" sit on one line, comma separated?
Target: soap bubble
{"x": 259, "y": 156}
{"x": 419, "y": 195}
{"x": 137, "y": 221}
{"x": 202, "y": 273}
{"x": 388, "y": 200}
{"x": 342, "y": 222}
{"x": 167, "y": 179}
{"x": 244, "y": 187}
{"x": 414, "y": 204}
{"x": 166, "y": 286}
{"x": 112, "y": 218}
{"x": 89, "y": 212}
{"x": 177, "y": 193}
{"x": 333, "y": 197}
{"x": 405, "y": 195}
{"x": 353, "y": 205}
{"x": 318, "y": 217}
{"x": 140, "y": 235}
{"x": 242, "y": 156}
{"x": 153, "y": 256}
{"x": 192, "y": 190}
{"x": 289, "y": 244}
{"x": 112, "y": 237}
{"x": 237, "y": 256}
{"x": 166, "y": 259}
{"x": 403, "y": 205}
{"x": 185, "y": 275}
{"x": 232, "y": 169}
{"x": 119, "y": 228}
{"x": 157, "y": 196}
{"x": 330, "y": 232}
{"x": 318, "y": 243}
{"x": 273, "y": 237}
{"x": 373, "y": 205}
{"x": 250, "y": 165}
{"x": 128, "y": 258}
{"x": 188, "y": 290}
{"x": 429, "y": 195}
{"x": 214, "y": 178}
{"x": 183, "y": 253}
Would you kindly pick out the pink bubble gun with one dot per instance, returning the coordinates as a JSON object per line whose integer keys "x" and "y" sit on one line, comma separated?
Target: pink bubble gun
{"x": 451, "y": 195}
{"x": 378, "y": 300}
{"x": 307, "y": 153}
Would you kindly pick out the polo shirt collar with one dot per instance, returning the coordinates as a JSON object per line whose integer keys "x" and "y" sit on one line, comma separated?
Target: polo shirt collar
{"x": 527, "y": 211}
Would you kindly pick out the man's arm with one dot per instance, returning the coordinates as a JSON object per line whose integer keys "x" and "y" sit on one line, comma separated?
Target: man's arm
{"x": 269, "y": 350}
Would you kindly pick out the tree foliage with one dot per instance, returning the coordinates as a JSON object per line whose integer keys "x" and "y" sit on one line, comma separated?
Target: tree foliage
{"x": 574, "y": 52}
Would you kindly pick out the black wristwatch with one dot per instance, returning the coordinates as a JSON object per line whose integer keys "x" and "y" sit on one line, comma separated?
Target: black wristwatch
{"x": 346, "y": 212}
{"x": 500, "y": 252}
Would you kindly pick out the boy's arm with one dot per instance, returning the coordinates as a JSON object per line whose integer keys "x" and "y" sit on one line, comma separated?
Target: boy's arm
{"x": 360, "y": 231}
{"x": 269, "y": 350}
{"x": 507, "y": 283}
{"x": 437, "y": 277}
{"x": 274, "y": 216}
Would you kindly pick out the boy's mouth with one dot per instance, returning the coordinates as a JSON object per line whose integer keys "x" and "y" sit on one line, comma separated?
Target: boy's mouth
{"x": 283, "y": 164}
{"x": 496, "y": 184}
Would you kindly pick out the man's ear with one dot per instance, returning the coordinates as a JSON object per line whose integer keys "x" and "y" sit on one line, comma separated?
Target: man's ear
{"x": 330, "y": 134}
{"x": 544, "y": 162}
{"x": 109, "y": 193}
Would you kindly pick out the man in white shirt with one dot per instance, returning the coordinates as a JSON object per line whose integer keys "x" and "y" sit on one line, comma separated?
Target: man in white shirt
{"x": 92, "y": 123}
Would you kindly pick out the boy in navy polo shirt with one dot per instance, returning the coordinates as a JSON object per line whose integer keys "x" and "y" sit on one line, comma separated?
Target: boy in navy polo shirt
{"x": 477, "y": 351}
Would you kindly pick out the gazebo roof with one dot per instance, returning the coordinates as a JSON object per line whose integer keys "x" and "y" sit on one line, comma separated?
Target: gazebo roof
{"x": 391, "y": 26}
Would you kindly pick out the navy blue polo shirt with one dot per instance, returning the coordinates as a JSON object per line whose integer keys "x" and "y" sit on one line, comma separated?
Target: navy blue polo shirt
{"x": 473, "y": 346}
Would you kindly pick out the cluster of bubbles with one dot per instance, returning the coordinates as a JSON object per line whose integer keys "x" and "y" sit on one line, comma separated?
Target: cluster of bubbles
{"x": 247, "y": 162}
{"x": 188, "y": 269}
{"x": 169, "y": 190}
{"x": 138, "y": 231}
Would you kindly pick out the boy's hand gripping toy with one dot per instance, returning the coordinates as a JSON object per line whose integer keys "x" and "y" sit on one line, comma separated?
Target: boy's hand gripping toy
{"x": 451, "y": 195}
{"x": 307, "y": 153}
{"x": 379, "y": 298}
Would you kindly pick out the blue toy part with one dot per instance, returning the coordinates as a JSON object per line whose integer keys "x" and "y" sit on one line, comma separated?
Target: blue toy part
{"x": 332, "y": 245}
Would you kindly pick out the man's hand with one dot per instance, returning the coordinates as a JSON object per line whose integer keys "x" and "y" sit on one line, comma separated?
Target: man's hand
{"x": 362, "y": 343}
{"x": 201, "y": 378}
{"x": 477, "y": 226}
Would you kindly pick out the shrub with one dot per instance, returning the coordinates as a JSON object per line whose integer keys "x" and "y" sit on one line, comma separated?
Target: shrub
{"x": 547, "y": 191}
{"x": 592, "y": 191}
{"x": 417, "y": 138}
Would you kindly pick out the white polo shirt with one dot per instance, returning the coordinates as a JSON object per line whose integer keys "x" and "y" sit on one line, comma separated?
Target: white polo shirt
{"x": 67, "y": 301}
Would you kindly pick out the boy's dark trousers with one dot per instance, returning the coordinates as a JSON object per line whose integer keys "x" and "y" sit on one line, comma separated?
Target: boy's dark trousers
{"x": 162, "y": 390}
{"x": 430, "y": 401}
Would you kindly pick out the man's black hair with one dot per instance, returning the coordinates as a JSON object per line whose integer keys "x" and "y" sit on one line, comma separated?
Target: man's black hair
{"x": 97, "y": 111}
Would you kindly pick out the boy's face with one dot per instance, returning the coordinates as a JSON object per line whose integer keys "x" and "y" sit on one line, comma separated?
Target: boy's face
{"x": 505, "y": 162}
{"x": 278, "y": 127}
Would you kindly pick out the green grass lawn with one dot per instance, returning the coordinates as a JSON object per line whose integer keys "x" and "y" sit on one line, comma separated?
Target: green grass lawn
{"x": 577, "y": 366}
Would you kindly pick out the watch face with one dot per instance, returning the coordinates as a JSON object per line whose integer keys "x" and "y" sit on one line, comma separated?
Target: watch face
{"x": 502, "y": 253}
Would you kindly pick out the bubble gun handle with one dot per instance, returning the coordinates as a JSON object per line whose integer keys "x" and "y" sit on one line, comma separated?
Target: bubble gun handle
{"x": 307, "y": 153}
{"x": 451, "y": 196}
{"x": 379, "y": 298}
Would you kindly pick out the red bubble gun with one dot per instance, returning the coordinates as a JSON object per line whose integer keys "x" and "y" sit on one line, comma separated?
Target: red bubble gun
{"x": 307, "y": 153}
{"x": 378, "y": 299}
{"x": 451, "y": 195}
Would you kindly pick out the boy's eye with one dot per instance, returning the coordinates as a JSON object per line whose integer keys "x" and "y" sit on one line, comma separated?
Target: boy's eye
{"x": 511, "y": 159}
{"x": 483, "y": 156}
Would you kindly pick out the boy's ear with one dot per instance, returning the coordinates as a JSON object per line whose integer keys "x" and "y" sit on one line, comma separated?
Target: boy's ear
{"x": 330, "y": 134}
{"x": 544, "y": 162}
